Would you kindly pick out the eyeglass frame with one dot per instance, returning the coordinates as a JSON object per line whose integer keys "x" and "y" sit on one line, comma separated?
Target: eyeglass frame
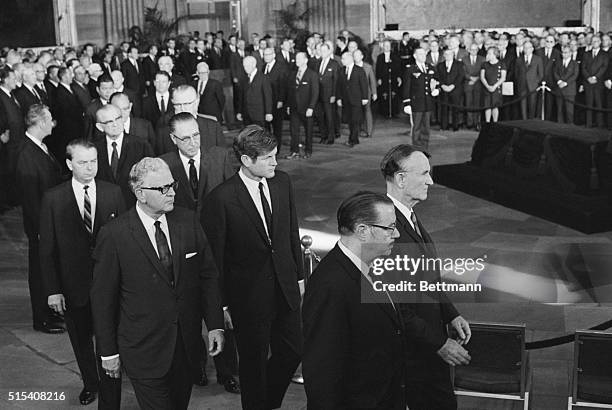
{"x": 389, "y": 228}
{"x": 162, "y": 189}
{"x": 189, "y": 137}
{"x": 181, "y": 105}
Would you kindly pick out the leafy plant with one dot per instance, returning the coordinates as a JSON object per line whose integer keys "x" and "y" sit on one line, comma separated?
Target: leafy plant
{"x": 157, "y": 29}
{"x": 293, "y": 20}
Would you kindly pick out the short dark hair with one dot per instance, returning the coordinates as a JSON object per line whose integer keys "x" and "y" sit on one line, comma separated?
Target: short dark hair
{"x": 178, "y": 118}
{"x": 62, "y": 72}
{"x": 160, "y": 72}
{"x": 105, "y": 78}
{"x": 390, "y": 164}
{"x": 78, "y": 142}
{"x": 35, "y": 114}
{"x": 253, "y": 141}
{"x": 51, "y": 68}
{"x": 359, "y": 208}
{"x": 71, "y": 62}
{"x": 4, "y": 73}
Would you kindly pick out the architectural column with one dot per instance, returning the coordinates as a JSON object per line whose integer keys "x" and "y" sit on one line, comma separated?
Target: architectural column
{"x": 65, "y": 17}
{"x": 590, "y": 13}
{"x": 328, "y": 17}
{"x": 119, "y": 16}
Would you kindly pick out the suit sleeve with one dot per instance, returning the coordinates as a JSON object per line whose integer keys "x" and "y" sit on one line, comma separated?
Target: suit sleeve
{"x": 267, "y": 95}
{"x": 335, "y": 80}
{"x": 104, "y": 293}
{"x": 213, "y": 222}
{"x": 220, "y": 96}
{"x": 447, "y": 309}
{"x": 326, "y": 342}
{"x": 372, "y": 80}
{"x": 573, "y": 75}
{"x": 211, "y": 301}
{"x": 150, "y": 134}
{"x": 219, "y": 139}
{"x": 314, "y": 92}
{"x": 296, "y": 245}
{"x": 228, "y": 167}
{"x": 29, "y": 186}
{"x": 119, "y": 200}
{"x": 420, "y": 330}
{"x": 600, "y": 74}
{"x": 363, "y": 85}
{"x": 406, "y": 87}
{"x": 48, "y": 261}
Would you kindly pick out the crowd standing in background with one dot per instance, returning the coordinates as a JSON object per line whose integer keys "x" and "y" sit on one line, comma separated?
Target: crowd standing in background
{"x": 79, "y": 128}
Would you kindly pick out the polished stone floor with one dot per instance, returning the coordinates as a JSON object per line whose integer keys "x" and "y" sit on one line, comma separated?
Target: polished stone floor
{"x": 529, "y": 270}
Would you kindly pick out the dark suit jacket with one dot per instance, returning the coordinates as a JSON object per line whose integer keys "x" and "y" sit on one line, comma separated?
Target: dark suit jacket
{"x": 353, "y": 351}
{"x": 510, "y": 61}
{"x": 132, "y": 150}
{"x": 424, "y": 321}
{"x": 51, "y": 92}
{"x": 388, "y": 71}
{"x": 151, "y": 112}
{"x": 69, "y": 116}
{"x": 44, "y": 95}
{"x": 255, "y": 97}
{"x": 549, "y": 64}
{"x": 429, "y": 59}
{"x": 215, "y": 167}
{"x": 246, "y": 260}
{"x": 304, "y": 95}
{"x": 236, "y": 68}
{"x": 354, "y": 89}
{"x": 90, "y": 119}
{"x": 134, "y": 80}
{"x": 65, "y": 244}
{"x": 569, "y": 75}
{"x": 472, "y": 70}
{"x": 528, "y": 78}
{"x": 143, "y": 129}
{"x": 278, "y": 82}
{"x": 328, "y": 82}
{"x": 26, "y": 99}
{"x": 11, "y": 118}
{"x": 137, "y": 312}
{"x": 36, "y": 172}
{"x": 136, "y": 100}
{"x": 211, "y": 135}
{"x": 149, "y": 68}
{"x": 594, "y": 67}
{"x": 212, "y": 100}
{"x": 416, "y": 88}
{"x": 82, "y": 93}
{"x": 454, "y": 77}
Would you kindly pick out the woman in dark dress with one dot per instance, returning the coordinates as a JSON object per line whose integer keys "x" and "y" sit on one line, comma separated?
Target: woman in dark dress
{"x": 492, "y": 76}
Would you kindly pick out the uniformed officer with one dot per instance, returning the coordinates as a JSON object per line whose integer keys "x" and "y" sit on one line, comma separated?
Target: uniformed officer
{"x": 419, "y": 86}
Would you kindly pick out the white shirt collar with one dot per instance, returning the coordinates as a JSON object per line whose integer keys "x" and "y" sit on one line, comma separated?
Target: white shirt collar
{"x": 359, "y": 264}
{"x": 126, "y": 125}
{"x": 166, "y": 96}
{"x": 147, "y": 221}
{"x": 109, "y": 144}
{"x": 77, "y": 186}
{"x": 7, "y": 92}
{"x": 407, "y": 212}
{"x": 38, "y": 143}
{"x": 67, "y": 87}
{"x": 185, "y": 160}
{"x": 251, "y": 184}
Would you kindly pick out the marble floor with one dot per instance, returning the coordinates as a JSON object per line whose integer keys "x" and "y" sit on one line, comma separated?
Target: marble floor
{"x": 533, "y": 269}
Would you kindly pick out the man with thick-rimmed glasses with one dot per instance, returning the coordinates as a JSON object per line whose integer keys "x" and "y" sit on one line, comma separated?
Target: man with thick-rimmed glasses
{"x": 154, "y": 280}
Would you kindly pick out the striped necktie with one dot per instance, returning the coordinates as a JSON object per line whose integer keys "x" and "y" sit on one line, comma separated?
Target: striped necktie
{"x": 87, "y": 211}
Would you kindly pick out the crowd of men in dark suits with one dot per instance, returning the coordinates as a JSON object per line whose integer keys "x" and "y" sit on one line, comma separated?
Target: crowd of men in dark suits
{"x": 108, "y": 253}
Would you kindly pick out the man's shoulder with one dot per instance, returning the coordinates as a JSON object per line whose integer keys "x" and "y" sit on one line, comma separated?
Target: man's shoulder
{"x": 225, "y": 188}
{"x": 105, "y": 188}
{"x": 181, "y": 216}
{"x": 59, "y": 191}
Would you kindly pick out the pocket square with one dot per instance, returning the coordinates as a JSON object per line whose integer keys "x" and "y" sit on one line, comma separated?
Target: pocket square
{"x": 304, "y": 82}
{"x": 190, "y": 255}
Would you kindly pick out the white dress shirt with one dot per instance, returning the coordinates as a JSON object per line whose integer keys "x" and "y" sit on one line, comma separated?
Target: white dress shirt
{"x": 201, "y": 86}
{"x": 109, "y": 146}
{"x": 269, "y": 66}
{"x": 67, "y": 87}
{"x": 149, "y": 225}
{"x": 407, "y": 212}
{"x": 253, "y": 187}
{"x": 349, "y": 70}
{"x": 196, "y": 163}
{"x": 324, "y": 64}
{"x": 38, "y": 143}
{"x": 126, "y": 127}
{"x": 166, "y": 96}
{"x": 79, "y": 193}
{"x": 252, "y": 75}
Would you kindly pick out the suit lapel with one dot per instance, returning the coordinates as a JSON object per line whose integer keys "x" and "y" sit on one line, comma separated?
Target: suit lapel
{"x": 247, "y": 203}
{"x": 125, "y": 148}
{"x": 176, "y": 243}
{"x": 140, "y": 236}
{"x": 74, "y": 208}
{"x": 274, "y": 197}
{"x": 204, "y": 165}
{"x": 177, "y": 167}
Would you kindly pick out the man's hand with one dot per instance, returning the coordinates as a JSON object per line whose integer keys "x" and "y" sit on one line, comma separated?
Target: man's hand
{"x": 379, "y": 82}
{"x": 399, "y": 82}
{"x": 365, "y": 102}
{"x": 374, "y": 97}
{"x": 112, "y": 367}
{"x": 592, "y": 79}
{"x": 239, "y": 116}
{"x": 235, "y": 80}
{"x": 309, "y": 112}
{"x": 268, "y": 117}
{"x": 453, "y": 354}
{"x": 302, "y": 288}
{"x": 339, "y": 103}
{"x": 288, "y": 110}
{"x": 227, "y": 319}
{"x": 279, "y": 105}
{"x": 608, "y": 84}
{"x": 462, "y": 327}
{"x": 5, "y": 136}
{"x": 332, "y": 99}
{"x": 216, "y": 340}
{"x": 57, "y": 303}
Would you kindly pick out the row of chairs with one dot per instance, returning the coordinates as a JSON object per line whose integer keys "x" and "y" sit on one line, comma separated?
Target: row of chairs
{"x": 500, "y": 369}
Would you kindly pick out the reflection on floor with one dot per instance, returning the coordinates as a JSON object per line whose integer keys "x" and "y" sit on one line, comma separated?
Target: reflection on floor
{"x": 531, "y": 263}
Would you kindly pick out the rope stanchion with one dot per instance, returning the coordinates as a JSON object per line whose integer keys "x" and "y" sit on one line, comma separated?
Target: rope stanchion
{"x": 556, "y": 341}
{"x": 482, "y": 108}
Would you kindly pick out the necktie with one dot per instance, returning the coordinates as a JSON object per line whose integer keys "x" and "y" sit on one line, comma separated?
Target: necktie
{"x": 347, "y": 74}
{"x": 162, "y": 105}
{"x": 415, "y": 224}
{"x": 87, "y": 211}
{"x": 267, "y": 69}
{"x": 594, "y": 54}
{"x": 298, "y": 78}
{"x": 193, "y": 178}
{"x": 36, "y": 94}
{"x": 322, "y": 68}
{"x": 136, "y": 66}
{"x": 163, "y": 250}
{"x": 114, "y": 160}
{"x": 266, "y": 209}
{"x": 201, "y": 88}
{"x": 473, "y": 60}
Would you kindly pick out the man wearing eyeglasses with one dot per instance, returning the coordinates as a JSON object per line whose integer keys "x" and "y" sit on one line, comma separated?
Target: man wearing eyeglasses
{"x": 353, "y": 334}
{"x": 429, "y": 350}
{"x": 251, "y": 222}
{"x": 118, "y": 150}
{"x": 549, "y": 55}
{"x": 154, "y": 280}
{"x": 186, "y": 99}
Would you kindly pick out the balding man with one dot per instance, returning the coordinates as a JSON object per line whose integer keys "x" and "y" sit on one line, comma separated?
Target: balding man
{"x": 27, "y": 95}
{"x": 133, "y": 94}
{"x": 118, "y": 151}
{"x": 166, "y": 63}
{"x": 255, "y": 95}
{"x": 154, "y": 280}
{"x": 210, "y": 92}
{"x": 185, "y": 99}
{"x": 138, "y": 127}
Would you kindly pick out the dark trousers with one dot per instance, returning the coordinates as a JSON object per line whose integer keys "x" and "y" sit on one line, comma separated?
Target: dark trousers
{"x": 472, "y": 99}
{"x": 608, "y": 105}
{"x": 38, "y": 300}
{"x": 173, "y": 390}
{"x": 276, "y": 127}
{"x": 528, "y": 106}
{"x": 246, "y": 120}
{"x": 273, "y": 329}
{"x": 431, "y": 393}
{"x": 549, "y": 105}
{"x": 226, "y": 362}
{"x": 420, "y": 132}
{"x": 325, "y": 112}
{"x": 565, "y": 108}
{"x": 80, "y": 330}
{"x": 296, "y": 120}
{"x": 354, "y": 117}
{"x": 593, "y": 94}
{"x": 445, "y": 110}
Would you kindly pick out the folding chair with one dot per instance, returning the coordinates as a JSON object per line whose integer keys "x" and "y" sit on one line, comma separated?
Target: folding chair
{"x": 592, "y": 370}
{"x": 499, "y": 368}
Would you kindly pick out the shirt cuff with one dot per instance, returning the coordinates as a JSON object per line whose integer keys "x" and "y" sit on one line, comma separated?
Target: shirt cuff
{"x": 225, "y": 308}
{"x": 109, "y": 357}
{"x": 301, "y": 281}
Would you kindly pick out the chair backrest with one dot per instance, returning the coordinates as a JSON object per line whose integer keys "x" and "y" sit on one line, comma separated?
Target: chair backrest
{"x": 500, "y": 348}
{"x": 592, "y": 372}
